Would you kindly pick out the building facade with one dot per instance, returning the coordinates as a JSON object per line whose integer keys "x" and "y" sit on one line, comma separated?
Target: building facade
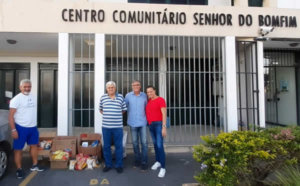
{"x": 220, "y": 65}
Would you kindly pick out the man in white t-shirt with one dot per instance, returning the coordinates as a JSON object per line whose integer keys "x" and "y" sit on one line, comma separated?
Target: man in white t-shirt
{"x": 22, "y": 120}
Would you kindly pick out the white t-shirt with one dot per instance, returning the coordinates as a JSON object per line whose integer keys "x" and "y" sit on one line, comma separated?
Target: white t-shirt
{"x": 26, "y": 113}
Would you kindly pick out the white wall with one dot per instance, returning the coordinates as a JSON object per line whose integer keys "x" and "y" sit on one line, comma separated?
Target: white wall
{"x": 295, "y": 4}
{"x": 51, "y": 11}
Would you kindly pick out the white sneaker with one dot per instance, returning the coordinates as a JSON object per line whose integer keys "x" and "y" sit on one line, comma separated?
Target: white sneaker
{"x": 155, "y": 165}
{"x": 162, "y": 173}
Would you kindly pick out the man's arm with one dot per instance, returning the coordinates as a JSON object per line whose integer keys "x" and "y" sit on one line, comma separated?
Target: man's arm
{"x": 11, "y": 120}
{"x": 164, "y": 115}
{"x": 101, "y": 106}
{"x": 164, "y": 121}
{"x": 124, "y": 106}
{"x": 126, "y": 99}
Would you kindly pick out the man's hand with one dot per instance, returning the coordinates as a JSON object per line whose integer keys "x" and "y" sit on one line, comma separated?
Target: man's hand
{"x": 164, "y": 132}
{"x": 15, "y": 134}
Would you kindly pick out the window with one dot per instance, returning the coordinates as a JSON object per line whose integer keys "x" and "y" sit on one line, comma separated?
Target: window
{"x": 181, "y": 2}
{"x": 255, "y": 3}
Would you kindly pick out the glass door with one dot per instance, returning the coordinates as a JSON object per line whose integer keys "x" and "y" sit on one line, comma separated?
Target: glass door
{"x": 280, "y": 88}
{"x": 10, "y": 77}
{"x": 47, "y": 111}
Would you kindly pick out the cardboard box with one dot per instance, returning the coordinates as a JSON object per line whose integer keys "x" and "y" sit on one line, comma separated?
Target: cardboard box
{"x": 46, "y": 136}
{"x": 92, "y": 151}
{"x": 61, "y": 143}
{"x": 58, "y": 164}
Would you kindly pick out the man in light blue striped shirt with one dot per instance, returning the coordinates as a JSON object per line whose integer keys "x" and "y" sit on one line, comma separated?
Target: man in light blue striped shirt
{"x": 112, "y": 106}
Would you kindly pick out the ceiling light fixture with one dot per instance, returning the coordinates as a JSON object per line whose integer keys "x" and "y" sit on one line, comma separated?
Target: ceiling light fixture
{"x": 293, "y": 44}
{"x": 11, "y": 41}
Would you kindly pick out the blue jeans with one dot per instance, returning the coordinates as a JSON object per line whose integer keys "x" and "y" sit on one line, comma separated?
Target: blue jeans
{"x": 117, "y": 135}
{"x": 139, "y": 134}
{"x": 158, "y": 142}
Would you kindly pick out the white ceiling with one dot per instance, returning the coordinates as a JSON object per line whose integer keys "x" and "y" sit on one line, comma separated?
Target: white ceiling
{"x": 42, "y": 45}
{"x": 281, "y": 44}
{"x": 29, "y": 44}
{"x": 46, "y": 45}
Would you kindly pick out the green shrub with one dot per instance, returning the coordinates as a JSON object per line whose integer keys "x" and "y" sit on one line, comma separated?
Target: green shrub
{"x": 246, "y": 157}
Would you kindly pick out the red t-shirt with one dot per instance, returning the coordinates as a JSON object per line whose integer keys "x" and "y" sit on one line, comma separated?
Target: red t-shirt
{"x": 153, "y": 109}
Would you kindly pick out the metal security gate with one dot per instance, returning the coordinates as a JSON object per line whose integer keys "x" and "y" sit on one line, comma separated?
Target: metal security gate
{"x": 247, "y": 81}
{"x": 81, "y": 90}
{"x": 281, "y": 87}
{"x": 187, "y": 71}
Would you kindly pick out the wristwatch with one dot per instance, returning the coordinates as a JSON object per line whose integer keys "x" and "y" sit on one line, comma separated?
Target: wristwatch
{"x": 13, "y": 130}
{"x": 164, "y": 125}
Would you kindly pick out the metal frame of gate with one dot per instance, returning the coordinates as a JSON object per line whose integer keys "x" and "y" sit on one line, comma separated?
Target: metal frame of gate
{"x": 247, "y": 81}
{"x": 81, "y": 74}
{"x": 188, "y": 72}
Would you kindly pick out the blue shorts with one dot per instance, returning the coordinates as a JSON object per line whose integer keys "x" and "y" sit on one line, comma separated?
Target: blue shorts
{"x": 30, "y": 135}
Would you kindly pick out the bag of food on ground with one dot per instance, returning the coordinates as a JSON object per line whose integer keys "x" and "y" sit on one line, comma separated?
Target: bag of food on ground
{"x": 96, "y": 163}
{"x": 81, "y": 161}
{"x": 72, "y": 164}
{"x": 60, "y": 155}
{"x": 89, "y": 163}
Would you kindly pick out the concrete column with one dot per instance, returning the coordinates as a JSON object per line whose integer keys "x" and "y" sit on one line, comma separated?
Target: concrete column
{"x": 63, "y": 84}
{"x": 242, "y": 3}
{"x": 163, "y": 78}
{"x": 34, "y": 71}
{"x": 270, "y": 3}
{"x": 99, "y": 75}
{"x": 261, "y": 88}
{"x": 231, "y": 85}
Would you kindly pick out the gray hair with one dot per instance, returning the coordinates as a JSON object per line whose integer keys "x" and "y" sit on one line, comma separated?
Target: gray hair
{"x": 110, "y": 83}
{"x": 23, "y": 81}
{"x": 136, "y": 81}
